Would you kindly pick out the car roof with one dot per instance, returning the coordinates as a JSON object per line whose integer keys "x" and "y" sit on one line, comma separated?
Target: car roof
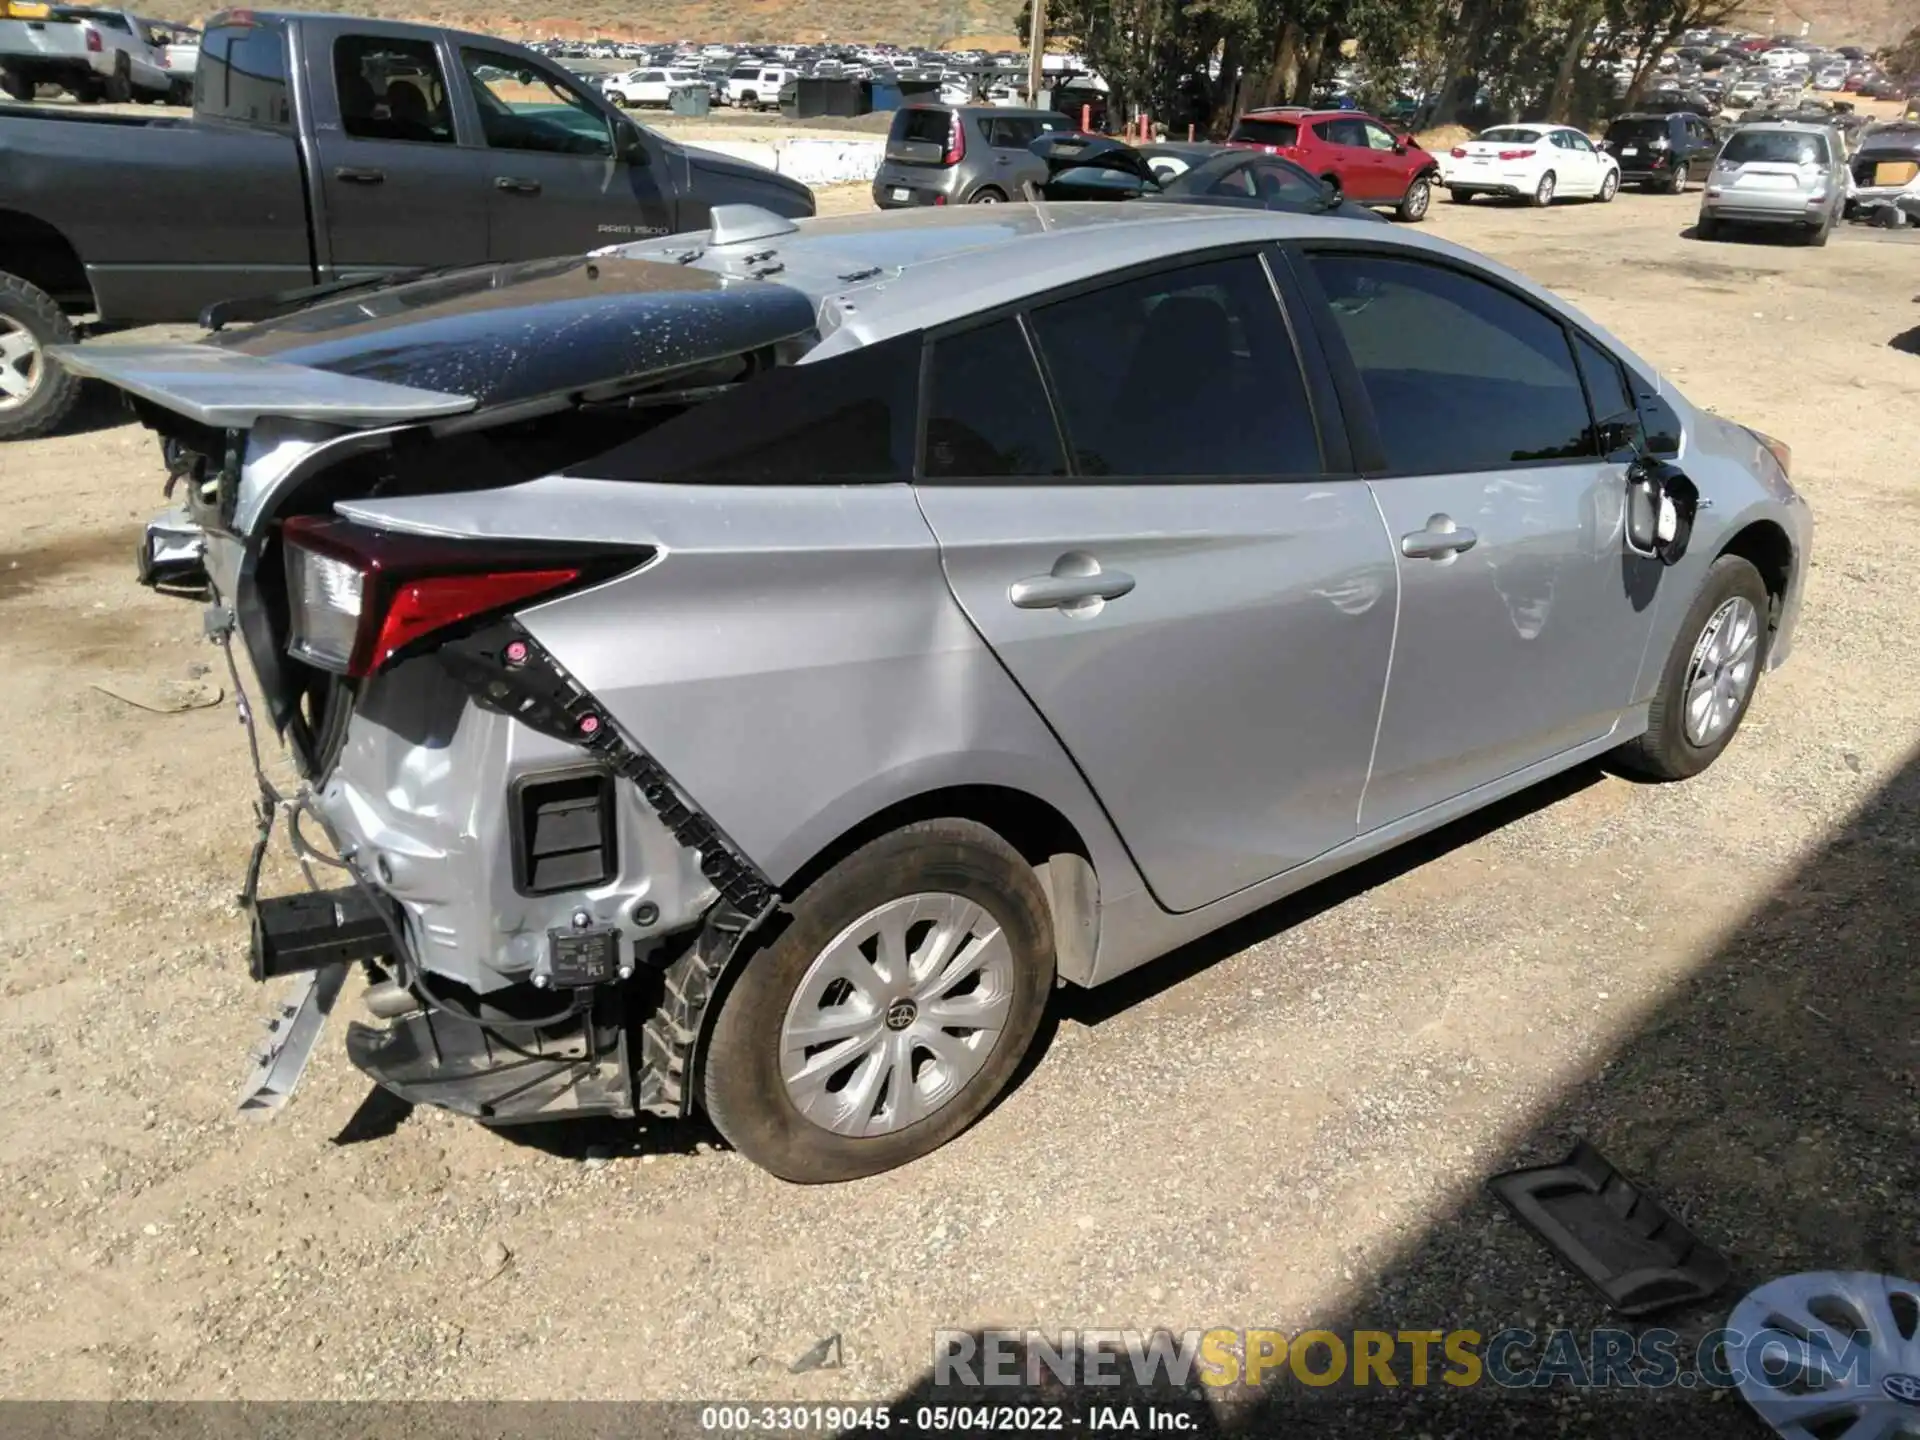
{"x": 883, "y": 273}
{"x": 1302, "y": 112}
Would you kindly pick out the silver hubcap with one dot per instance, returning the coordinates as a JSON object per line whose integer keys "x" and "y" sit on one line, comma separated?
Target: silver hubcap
{"x": 20, "y": 364}
{"x": 896, "y": 1015}
{"x": 1546, "y": 188}
{"x": 1722, "y": 669}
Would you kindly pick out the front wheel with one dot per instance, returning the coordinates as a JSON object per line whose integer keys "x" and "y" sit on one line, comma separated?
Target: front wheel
{"x": 1709, "y": 677}
{"x": 1677, "y": 182}
{"x": 15, "y": 87}
{"x": 1413, "y": 205}
{"x": 891, "y": 1011}
{"x": 1610, "y": 186}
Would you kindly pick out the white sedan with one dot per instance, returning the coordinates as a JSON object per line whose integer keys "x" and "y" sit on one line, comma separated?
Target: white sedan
{"x": 1534, "y": 162}
{"x": 649, "y": 87}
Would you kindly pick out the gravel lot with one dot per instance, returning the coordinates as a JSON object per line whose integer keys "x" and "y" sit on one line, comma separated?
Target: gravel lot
{"x": 1287, "y": 1124}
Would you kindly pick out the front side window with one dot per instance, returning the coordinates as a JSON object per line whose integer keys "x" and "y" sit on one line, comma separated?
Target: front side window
{"x": 1012, "y": 133}
{"x": 1462, "y": 375}
{"x": 1188, "y": 372}
{"x": 1378, "y": 137}
{"x": 391, "y": 90}
{"x": 987, "y": 411}
{"x": 523, "y": 108}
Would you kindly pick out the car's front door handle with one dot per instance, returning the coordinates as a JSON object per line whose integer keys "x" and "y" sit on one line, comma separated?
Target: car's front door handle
{"x": 1441, "y": 540}
{"x": 1057, "y": 591}
{"x": 356, "y": 176}
{"x": 516, "y": 185}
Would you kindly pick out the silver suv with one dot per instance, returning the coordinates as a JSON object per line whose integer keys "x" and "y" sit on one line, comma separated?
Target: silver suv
{"x": 751, "y": 669}
{"x": 962, "y": 155}
{"x": 1779, "y": 173}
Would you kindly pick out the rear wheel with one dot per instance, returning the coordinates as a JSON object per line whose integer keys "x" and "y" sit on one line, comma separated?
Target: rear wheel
{"x": 1677, "y": 181}
{"x": 1413, "y": 205}
{"x": 1817, "y": 235}
{"x": 1709, "y": 677}
{"x": 35, "y": 392}
{"x": 1460, "y": 197}
{"x": 1707, "y": 228}
{"x": 1543, "y": 192}
{"x": 890, "y": 1013}
{"x": 119, "y": 85}
{"x": 15, "y": 87}
{"x": 621, "y": 101}
{"x": 986, "y": 195}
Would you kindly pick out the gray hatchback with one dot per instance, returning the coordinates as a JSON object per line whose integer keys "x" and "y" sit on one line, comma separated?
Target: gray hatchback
{"x": 749, "y": 670}
{"x": 962, "y": 155}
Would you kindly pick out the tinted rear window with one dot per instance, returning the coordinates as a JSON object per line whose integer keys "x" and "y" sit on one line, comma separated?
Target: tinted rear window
{"x": 1776, "y": 147}
{"x": 1636, "y": 129}
{"x": 1266, "y": 132}
{"x": 920, "y": 124}
{"x": 242, "y": 75}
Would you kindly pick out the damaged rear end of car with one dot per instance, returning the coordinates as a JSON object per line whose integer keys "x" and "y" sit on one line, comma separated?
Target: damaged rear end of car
{"x": 540, "y": 906}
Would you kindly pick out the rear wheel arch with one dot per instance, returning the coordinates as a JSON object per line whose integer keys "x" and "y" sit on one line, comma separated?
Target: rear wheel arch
{"x": 1045, "y": 838}
{"x": 46, "y": 259}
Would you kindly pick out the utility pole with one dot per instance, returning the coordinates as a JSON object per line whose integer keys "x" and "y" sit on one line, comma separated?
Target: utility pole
{"x": 1036, "y": 48}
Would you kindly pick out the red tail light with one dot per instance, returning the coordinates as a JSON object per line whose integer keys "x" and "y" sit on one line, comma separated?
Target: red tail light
{"x": 956, "y": 150}
{"x": 1515, "y": 154}
{"x": 358, "y": 597}
{"x": 93, "y": 41}
{"x": 1458, "y": 153}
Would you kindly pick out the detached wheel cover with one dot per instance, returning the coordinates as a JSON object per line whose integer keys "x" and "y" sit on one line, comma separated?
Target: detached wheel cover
{"x": 1819, "y": 1349}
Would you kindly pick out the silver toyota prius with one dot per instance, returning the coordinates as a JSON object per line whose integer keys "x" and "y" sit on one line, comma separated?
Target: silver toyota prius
{"x": 749, "y": 670}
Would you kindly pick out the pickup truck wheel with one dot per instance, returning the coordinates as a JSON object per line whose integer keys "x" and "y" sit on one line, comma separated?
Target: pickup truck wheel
{"x": 15, "y": 87}
{"x": 891, "y": 1011}
{"x": 35, "y": 392}
{"x": 119, "y": 86}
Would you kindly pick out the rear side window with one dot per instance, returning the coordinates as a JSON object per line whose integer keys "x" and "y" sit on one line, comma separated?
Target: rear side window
{"x": 1266, "y": 132}
{"x": 934, "y": 126}
{"x": 987, "y": 411}
{"x": 1188, "y": 372}
{"x": 242, "y": 75}
{"x": 844, "y": 419}
{"x": 1462, "y": 375}
{"x": 391, "y": 90}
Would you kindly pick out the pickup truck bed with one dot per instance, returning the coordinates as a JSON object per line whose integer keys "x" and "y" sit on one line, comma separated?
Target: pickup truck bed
{"x": 322, "y": 148}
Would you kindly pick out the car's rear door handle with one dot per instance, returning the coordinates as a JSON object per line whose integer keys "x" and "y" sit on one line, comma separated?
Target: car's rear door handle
{"x": 356, "y": 176}
{"x": 1439, "y": 541}
{"x": 1056, "y": 591}
{"x": 516, "y": 184}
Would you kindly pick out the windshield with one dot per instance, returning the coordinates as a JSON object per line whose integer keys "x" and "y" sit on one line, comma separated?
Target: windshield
{"x": 1266, "y": 132}
{"x": 1519, "y": 134}
{"x": 1776, "y": 147}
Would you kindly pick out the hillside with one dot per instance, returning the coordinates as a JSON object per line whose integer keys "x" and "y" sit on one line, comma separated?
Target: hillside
{"x": 988, "y": 24}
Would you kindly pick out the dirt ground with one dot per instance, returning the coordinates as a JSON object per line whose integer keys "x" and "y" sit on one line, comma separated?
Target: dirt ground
{"x": 1286, "y": 1124}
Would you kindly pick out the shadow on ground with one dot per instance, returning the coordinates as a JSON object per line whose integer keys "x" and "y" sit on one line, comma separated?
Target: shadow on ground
{"x": 1773, "y": 1103}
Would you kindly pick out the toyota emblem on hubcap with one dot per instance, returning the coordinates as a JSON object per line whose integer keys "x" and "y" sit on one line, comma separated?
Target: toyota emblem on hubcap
{"x": 901, "y": 1014}
{"x": 1904, "y": 1388}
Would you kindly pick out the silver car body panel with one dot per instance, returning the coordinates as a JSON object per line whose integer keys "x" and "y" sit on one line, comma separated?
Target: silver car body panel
{"x": 1771, "y": 192}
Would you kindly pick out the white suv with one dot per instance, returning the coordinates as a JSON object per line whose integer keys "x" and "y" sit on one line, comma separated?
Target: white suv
{"x": 649, "y": 87}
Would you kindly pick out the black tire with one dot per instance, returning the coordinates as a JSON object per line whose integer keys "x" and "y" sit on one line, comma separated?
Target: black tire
{"x": 742, "y": 1088}
{"x": 1707, "y": 228}
{"x": 1413, "y": 205}
{"x": 621, "y": 102}
{"x": 987, "y": 195}
{"x": 118, "y": 88}
{"x": 181, "y": 93}
{"x": 1664, "y": 752}
{"x": 1542, "y": 195}
{"x": 1817, "y": 236}
{"x": 15, "y": 87}
{"x": 87, "y": 92}
{"x": 57, "y": 389}
{"x": 1459, "y": 197}
{"x": 1677, "y": 181}
{"x": 1609, "y": 187}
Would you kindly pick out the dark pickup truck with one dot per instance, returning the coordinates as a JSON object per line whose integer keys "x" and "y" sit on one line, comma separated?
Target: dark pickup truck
{"x": 322, "y": 148}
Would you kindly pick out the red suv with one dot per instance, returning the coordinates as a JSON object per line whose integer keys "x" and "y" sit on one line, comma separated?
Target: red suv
{"x": 1364, "y": 159}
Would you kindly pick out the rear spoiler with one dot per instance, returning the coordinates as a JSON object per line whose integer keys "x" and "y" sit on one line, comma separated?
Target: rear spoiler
{"x": 229, "y": 390}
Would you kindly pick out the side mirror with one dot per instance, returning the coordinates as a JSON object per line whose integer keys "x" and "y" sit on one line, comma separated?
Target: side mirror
{"x": 1661, "y": 505}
